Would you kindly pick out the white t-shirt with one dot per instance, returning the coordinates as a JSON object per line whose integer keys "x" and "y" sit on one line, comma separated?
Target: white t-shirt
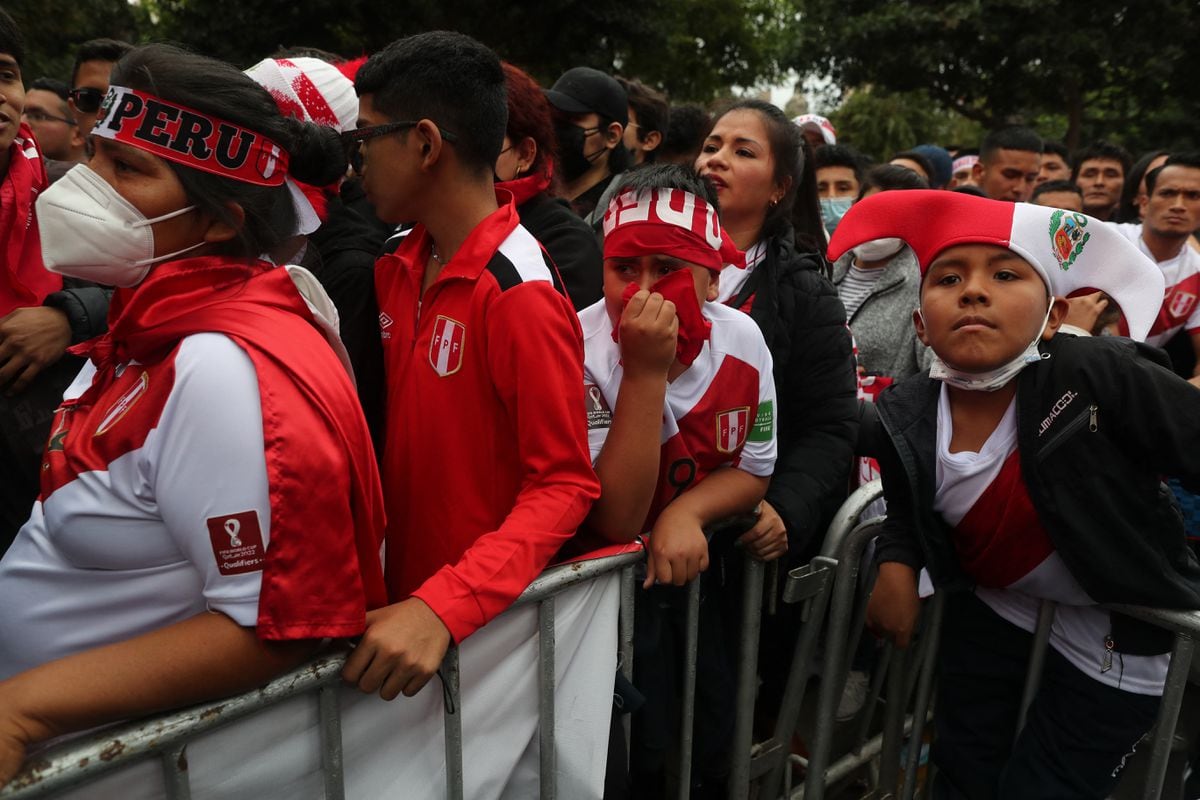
{"x": 161, "y": 513}
{"x": 1080, "y": 629}
{"x": 719, "y": 412}
{"x": 1181, "y": 303}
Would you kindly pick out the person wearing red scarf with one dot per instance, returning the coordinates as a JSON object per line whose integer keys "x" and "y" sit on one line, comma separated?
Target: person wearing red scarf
{"x": 210, "y": 509}
{"x": 526, "y": 168}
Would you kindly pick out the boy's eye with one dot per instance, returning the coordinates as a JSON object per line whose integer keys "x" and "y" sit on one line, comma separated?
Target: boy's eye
{"x": 948, "y": 279}
{"x": 1006, "y": 275}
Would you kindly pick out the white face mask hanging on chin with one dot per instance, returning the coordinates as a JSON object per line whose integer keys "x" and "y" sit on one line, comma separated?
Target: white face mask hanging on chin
{"x": 993, "y": 379}
{"x": 90, "y": 231}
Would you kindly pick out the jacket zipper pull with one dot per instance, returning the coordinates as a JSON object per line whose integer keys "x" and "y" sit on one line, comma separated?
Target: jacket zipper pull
{"x": 1092, "y": 410}
{"x": 1109, "y": 644}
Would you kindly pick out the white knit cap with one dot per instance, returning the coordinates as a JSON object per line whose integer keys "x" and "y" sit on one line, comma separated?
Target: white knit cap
{"x": 309, "y": 89}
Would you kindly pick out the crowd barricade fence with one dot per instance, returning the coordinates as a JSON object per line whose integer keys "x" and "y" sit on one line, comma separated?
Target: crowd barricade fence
{"x": 910, "y": 675}
{"x": 78, "y": 762}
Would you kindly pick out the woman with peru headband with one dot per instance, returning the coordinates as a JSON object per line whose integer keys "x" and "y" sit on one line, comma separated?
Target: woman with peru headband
{"x": 681, "y": 429}
{"x": 526, "y": 167}
{"x": 209, "y": 508}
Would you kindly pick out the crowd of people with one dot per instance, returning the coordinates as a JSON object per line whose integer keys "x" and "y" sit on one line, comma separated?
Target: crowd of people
{"x": 338, "y": 350}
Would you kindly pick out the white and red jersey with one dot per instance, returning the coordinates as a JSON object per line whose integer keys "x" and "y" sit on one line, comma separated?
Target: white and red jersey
{"x": 719, "y": 412}
{"x": 733, "y": 278}
{"x": 1181, "y": 301}
{"x": 1002, "y": 545}
{"x": 164, "y": 514}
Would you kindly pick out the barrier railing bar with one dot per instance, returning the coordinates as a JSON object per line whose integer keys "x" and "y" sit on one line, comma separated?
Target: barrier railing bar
{"x": 332, "y": 766}
{"x": 747, "y": 676}
{"x": 546, "y": 682}
{"x": 687, "y": 718}
{"x": 847, "y": 764}
{"x": 1037, "y": 660}
{"x": 893, "y": 718}
{"x": 810, "y": 586}
{"x": 844, "y": 590}
{"x": 79, "y": 761}
{"x": 1168, "y": 714}
{"x": 452, "y": 716}
{"x": 931, "y": 636}
{"x": 625, "y": 636}
{"x": 175, "y": 773}
{"x": 873, "y": 694}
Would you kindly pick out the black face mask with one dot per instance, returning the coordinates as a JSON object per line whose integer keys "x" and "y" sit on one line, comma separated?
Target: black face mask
{"x": 571, "y": 140}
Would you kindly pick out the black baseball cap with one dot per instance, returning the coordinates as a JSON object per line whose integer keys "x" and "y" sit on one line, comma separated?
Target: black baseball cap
{"x": 581, "y": 90}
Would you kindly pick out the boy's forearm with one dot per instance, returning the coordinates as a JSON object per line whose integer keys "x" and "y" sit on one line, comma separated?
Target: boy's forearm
{"x": 628, "y": 463}
{"x": 722, "y": 494}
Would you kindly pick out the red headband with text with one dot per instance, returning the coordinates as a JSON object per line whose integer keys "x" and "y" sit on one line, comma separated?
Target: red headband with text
{"x": 189, "y": 137}
{"x": 670, "y": 222}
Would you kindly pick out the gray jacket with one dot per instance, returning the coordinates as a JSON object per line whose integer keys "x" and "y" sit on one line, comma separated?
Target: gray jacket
{"x": 882, "y": 325}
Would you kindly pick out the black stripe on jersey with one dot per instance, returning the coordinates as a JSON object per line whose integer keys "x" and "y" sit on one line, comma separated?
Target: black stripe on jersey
{"x": 504, "y": 272}
{"x": 555, "y": 278}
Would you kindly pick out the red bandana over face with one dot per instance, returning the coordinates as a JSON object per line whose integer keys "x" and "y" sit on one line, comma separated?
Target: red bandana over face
{"x": 189, "y": 137}
{"x": 669, "y": 222}
{"x": 680, "y": 288}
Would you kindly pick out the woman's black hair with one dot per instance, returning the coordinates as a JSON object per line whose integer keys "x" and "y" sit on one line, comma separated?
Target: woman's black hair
{"x": 669, "y": 176}
{"x": 315, "y": 153}
{"x": 800, "y": 209}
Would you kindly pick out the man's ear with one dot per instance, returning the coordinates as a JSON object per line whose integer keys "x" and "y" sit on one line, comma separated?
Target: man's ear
{"x": 651, "y": 142}
{"x": 1058, "y": 313}
{"x": 977, "y": 171}
{"x": 526, "y": 154}
{"x": 614, "y": 135}
{"x": 429, "y": 136}
{"x": 221, "y": 231}
{"x": 919, "y": 325}
{"x": 714, "y": 285}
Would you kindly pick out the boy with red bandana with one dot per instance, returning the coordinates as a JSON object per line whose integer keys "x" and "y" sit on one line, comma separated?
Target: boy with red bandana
{"x": 680, "y": 412}
{"x": 1024, "y": 467}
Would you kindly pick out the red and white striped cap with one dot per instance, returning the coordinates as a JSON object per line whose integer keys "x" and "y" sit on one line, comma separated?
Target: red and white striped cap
{"x": 1072, "y": 252}
{"x": 309, "y": 89}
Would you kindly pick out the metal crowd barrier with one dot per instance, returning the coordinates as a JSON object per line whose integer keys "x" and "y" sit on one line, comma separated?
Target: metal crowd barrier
{"x": 166, "y": 737}
{"x": 913, "y": 670}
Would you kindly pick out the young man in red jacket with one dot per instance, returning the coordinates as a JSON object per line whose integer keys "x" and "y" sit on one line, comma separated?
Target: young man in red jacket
{"x": 486, "y": 469}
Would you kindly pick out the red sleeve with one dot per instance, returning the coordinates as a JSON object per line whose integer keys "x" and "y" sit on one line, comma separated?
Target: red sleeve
{"x": 535, "y": 351}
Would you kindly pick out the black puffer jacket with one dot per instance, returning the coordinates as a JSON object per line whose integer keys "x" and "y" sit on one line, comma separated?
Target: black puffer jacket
{"x": 799, "y": 313}
{"x": 1098, "y": 422}
{"x": 571, "y": 244}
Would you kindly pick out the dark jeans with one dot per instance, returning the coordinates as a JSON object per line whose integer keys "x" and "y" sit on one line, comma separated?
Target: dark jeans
{"x": 1078, "y": 730}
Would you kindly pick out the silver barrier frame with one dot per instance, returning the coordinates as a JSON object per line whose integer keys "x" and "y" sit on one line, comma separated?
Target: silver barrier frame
{"x": 848, "y": 546}
{"x": 75, "y": 763}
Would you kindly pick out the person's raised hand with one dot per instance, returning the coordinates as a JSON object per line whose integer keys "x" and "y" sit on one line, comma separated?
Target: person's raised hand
{"x": 648, "y": 331}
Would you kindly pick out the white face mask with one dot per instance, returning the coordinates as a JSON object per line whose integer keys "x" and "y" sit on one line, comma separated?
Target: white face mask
{"x": 878, "y": 249}
{"x": 89, "y": 231}
{"x": 994, "y": 379}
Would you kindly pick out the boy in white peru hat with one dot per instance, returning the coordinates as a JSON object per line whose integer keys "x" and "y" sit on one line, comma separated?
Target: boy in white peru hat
{"x": 1024, "y": 467}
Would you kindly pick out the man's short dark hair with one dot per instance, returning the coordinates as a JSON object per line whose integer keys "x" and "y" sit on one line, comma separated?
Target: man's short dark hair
{"x": 669, "y": 176}
{"x": 11, "y": 40}
{"x": 1102, "y": 150}
{"x": 50, "y": 85}
{"x": 840, "y": 155}
{"x": 446, "y": 77}
{"x": 1190, "y": 160}
{"x": 1057, "y": 148}
{"x": 919, "y": 159}
{"x": 1049, "y": 187}
{"x": 98, "y": 50}
{"x": 1012, "y": 137}
{"x": 888, "y": 177}
{"x": 687, "y": 128}
{"x": 650, "y": 105}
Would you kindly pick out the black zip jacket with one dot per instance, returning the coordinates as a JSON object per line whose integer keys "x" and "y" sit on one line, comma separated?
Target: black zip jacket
{"x": 804, "y": 323}
{"x": 1099, "y": 422}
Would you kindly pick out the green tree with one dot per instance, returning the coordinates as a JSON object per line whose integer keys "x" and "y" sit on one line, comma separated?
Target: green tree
{"x": 692, "y": 50}
{"x": 53, "y": 28}
{"x": 1107, "y": 65}
{"x": 881, "y": 124}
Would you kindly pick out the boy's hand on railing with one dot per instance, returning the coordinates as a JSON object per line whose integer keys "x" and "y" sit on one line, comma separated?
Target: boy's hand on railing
{"x": 895, "y": 605}
{"x": 677, "y": 551}
{"x": 17, "y": 732}
{"x": 648, "y": 330}
{"x": 767, "y": 540}
{"x": 402, "y": 648}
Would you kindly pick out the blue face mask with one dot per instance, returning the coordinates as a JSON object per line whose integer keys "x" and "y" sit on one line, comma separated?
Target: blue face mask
{"x": 832, "y": 211}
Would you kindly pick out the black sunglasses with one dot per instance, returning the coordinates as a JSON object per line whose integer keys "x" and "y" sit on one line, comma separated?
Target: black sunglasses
{"x": 352, "y": 140}
{"x": 86, "y": 98}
